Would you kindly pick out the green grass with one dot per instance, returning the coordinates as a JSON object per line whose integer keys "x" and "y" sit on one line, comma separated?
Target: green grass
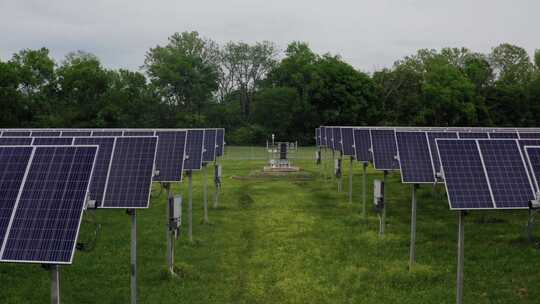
{"x": 296, "y": 240}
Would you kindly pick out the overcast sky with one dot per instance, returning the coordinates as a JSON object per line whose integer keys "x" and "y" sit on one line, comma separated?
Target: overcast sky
{"x": 368, "y": 34}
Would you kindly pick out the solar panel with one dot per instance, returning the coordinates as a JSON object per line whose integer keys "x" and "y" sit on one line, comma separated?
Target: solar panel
{"x": 526, "y": 135}
{"x": 362, "y": 145}
{"x": 101, "y": 168}
{"x": 498, "y": 135}
{"x": 347, "y": 138}
{"x": 507, "y": 174}
{"x": 336, "y": 142}
{"x": 170, "y": 155}
{"x": 465, "y": 179}
{"x": 317, "y": 137}
{"x": 384, "y": 150}
{"x": 329, "y": 138}
{"x": 52, "y": 141}
{"x": 415, "y": 158}
{"x": 473, "y": 135}
{"x": 45, "y": 133}
{"x": 533, "y": 159}
{"x": 322, "y": 131}
{"x": 130, "y": 173}
{"x": 433, "y": 147}
{"x": 76, "y": 133}
{"x": 15, "y": 133}
{"x": 16, "y": 141}
{"x": 209, "y": 153}
{"x": 138, "y": 133}
{"x": 220, "y": 141}
{"x": 194, "y": 148}
{"x": 107, "y": 133}
{"x": 46, "y": 217}
{"x": 13, "y": 164}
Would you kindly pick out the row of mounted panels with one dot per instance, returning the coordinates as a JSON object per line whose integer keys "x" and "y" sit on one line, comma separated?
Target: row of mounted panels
{"x": 417, "y": 155}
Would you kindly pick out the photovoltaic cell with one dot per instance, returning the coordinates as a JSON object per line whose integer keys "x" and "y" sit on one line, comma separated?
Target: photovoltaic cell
{"x": 433, "y": 147}
{"x": 529, "y": 135}
{"x": 45, "y": 133}
{"x": 101, "y": 168}
{"x": 13, "y": 164}
{"x": 336, "y": 142}
{"x": 414, "y": 158}
{"x": 170, "y": 155}
{"x": 498, "y": 135}
{"x": 194, "y": 148}
{"x": 130, "y": 173}
{"x": 46, "y": 219}
{"x": 466, "y": 182}
{"x": 209, "y": 153}
{"x": 76, "y": 133}
{"x": 107, "y": 133}
{"x": 220, "y": 141}
{"x": 15, "y": 133}
{"x": 384, "y": 150}
{"x": 507, "y": 175}
{"x": 472, "y": 135}
{"x": 54, "y": 141}
{"x": 362, "y": 145}
{"x": 533, "y": 159}
{"x": 347, "y": 137}
{"x": 16, "y": 141}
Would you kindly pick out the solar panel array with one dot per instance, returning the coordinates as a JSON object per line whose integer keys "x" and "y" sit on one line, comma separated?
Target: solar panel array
{"x": 44, "y": 191}
{"x": 194, "y": 149}
{"x": 209, "y": 153}
{"x": 383, "y": 144}
{"x": 170, "y": 155}
{"x": 220, "y": 141}
{"x": 347, "y": 138}
{"x": 415, "y": 157}
{"x": 362, "y": 145}
{"x": 336, "y": 139}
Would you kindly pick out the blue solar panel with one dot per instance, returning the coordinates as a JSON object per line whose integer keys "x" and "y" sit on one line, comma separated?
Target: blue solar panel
{"x": 194, "y": 148}
{"x": 472, "y": 135}
{"x": 529, "y": 135}
{"x": 384, "y": 150}
{"x": 465, "y": 179}
{"x": 107, "y": 133}
{"x": 497, "y": 135}
{"x": 101, "y": 168}
{"x": 318, "y": 137}
{"x": 52, "y": 141}
{"x": 329, "y": 138}
{"x": 220, "y": 141}
{"x": 433, "y": 147}
{"x": 336, "y": 142}
{"x": 45, "y": 133}
{"x": 75, "y": 133}
{"x": 322, "y": 131}
{"x": 362, "y": 145}
{"x": 347, "y": 138}
{"x": 130, "y": 173}
{"x": 138, "y": 133}
{"x": 209, "y": 153}
{"x": 415, "y": 158}
{"x": 15, "y": 133}
{"x": 170, "y": 155}
{"x": 507, "y": 174}
{"x": 46, "y": 218}
{"x": 13, "y": 164}
{"x": 16, "y": 141}
{"x": 533, "y": 159}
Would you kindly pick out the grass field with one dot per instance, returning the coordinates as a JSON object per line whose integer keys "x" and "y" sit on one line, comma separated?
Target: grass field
{"x": 296, "y": 240}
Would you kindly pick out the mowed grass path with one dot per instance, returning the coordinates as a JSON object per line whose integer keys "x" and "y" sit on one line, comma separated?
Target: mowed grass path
{"x": 296, "y": 240}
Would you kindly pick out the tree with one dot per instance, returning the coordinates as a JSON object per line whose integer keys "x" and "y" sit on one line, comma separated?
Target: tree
{"x": 243, "y": 67}
{"x": 186, "y": 75}
{"x": 511, "y": 64}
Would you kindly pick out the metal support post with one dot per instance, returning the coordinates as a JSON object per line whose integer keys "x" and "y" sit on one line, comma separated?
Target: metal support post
{"x": 412, "y": 249}
{"x": 205, "y": 194}
{"x": 190, "y": 206}
{"x": 461, "y": 256}
{"x": 364, "y": 181}
{"x": 133, "y": 256}
{"x": 55, "y": 284}
{"x": 383, "y": 216}
{"x": 350, "y": 180}
{"x": 170, "y": 239}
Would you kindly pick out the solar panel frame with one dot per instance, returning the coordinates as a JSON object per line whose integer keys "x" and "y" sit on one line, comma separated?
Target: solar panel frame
{"x": 414, "y": 168}
{"x": 383, "y": 144}
{"x": 73, "y": 240}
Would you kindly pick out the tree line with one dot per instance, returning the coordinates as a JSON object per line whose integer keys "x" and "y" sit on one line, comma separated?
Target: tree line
{"x": 254, "y": 90}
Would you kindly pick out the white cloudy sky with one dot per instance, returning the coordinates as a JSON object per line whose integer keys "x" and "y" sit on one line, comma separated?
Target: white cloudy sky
{"x": 369, "y": 34}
